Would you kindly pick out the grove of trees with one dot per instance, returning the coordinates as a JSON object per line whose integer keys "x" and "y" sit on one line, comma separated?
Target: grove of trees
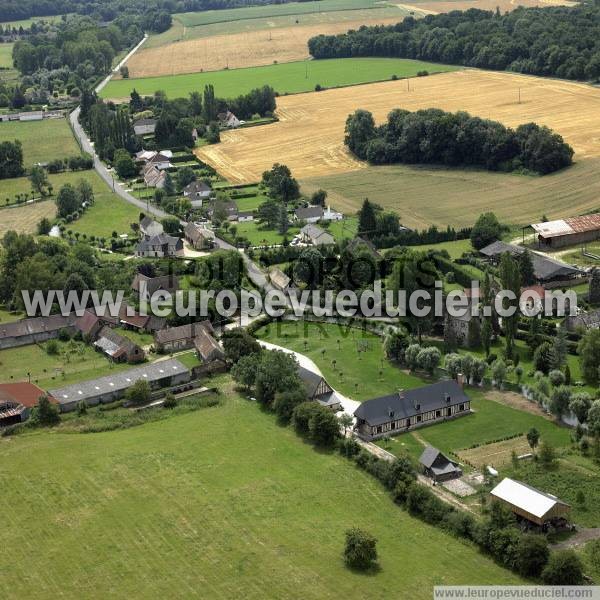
{"x": 433, "y": 136}
{"x": 556, "y": 41}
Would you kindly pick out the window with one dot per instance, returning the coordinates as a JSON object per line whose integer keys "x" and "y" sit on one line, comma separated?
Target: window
{"x": 419, "y": 419}
{"x": 379, "y": 429}
{"x": 408, "y": 422}
{"x": 438, "y": 413}
{"x": 461, "y": 407}
{"x": 393, "y": 425}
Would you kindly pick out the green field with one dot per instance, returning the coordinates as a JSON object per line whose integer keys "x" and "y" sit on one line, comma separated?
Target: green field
{"x": 361, "y": 371}
{"x": 257, "y": 236}
{"x": 25, "y": 23}
{"x": 6, "y": 55}
{"x": 287, "y": 78}
{"x": 216, "y": 503}
{"x": 196, "y": 19}
{"x": 75, "y": 362}
{"x": 42, "y": 141}
{"x": 455, "y": 249}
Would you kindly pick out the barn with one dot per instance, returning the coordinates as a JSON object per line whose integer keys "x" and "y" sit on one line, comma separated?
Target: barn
{"x": 531, "y": 504}
{"x": 568, "y": 232}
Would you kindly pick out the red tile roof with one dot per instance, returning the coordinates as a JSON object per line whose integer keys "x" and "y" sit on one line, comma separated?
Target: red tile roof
{"x": 22, "y": 392}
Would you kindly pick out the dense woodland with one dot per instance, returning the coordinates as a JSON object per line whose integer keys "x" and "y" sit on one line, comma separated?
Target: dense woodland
{"x": 107, "y": 10}
{"x": 433, "y": 136}
{"x": 558, "y": 41}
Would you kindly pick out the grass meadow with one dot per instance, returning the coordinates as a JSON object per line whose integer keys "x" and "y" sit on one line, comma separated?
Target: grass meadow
{"x": 42, "y": 141}
{"x": 352, "y": 360}
{"x": 219, "y": 502}
{"x": 287, "y": 78}
{"x": 6, "y": 55}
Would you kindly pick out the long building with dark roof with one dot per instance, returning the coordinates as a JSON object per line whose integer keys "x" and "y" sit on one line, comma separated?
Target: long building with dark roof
{"x": 161, "y": 374}
{"x": 406, "y": 410}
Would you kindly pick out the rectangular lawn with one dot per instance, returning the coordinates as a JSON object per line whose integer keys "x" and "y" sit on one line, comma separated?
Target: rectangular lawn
{"x": 42, "y": 141}
{"x": 285, "y": 78}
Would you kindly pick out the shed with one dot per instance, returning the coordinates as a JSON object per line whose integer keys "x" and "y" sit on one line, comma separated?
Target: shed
{"x": 529, "y": 503}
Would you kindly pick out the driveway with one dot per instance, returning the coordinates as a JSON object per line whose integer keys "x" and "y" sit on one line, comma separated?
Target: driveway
{"x": 348, "y": 405}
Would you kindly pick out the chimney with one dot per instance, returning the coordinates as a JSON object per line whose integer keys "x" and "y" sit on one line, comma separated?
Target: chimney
{"x": 460, "y": 379}
{"x": 390, "y": 413}
{"x": 447, "y": 397}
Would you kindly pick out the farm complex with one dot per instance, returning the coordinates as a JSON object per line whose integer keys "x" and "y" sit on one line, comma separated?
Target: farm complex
{"x": 299, "y": 299}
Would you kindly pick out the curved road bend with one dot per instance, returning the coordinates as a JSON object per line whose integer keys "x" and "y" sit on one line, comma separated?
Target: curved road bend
{"x": 254, "y": 272}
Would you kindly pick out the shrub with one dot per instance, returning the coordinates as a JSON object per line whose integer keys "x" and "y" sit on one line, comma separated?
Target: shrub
{"x": 170, "y": 401}
{"x": 360, "y": 551}
{"x": 563, "y": 568}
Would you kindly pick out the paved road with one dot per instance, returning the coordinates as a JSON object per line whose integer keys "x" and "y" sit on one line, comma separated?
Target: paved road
{"x": 254, "y": 272}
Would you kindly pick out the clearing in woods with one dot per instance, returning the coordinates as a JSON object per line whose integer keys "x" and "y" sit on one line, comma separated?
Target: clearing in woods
{"x": 309, "y": 139}
{"x": 442, "y": 6}
{"x": 254, "y": 48}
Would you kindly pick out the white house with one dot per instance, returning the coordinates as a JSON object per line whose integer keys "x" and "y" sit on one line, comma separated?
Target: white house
{"x": 245, "y": 216}
{"x": 331, "y": 215}
{"x": 144, "y": 126}
{"x": 197, "y": 192}
{"x": 229, "y": 120}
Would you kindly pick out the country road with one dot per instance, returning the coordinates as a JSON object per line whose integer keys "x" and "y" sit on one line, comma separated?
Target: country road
{"x": 254, "y": 272}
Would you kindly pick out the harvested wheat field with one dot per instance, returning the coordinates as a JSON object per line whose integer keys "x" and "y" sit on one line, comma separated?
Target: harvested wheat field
{"x": 25, "y": 218}
{"x": 248, "y": 49}
{"x": 434, "y": 7}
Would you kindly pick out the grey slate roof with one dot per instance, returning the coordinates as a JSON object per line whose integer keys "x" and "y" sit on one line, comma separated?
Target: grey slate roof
{"x": 309, "y": 212}
{"x": 197, "y": 186}
{"x": 118, "y": 382}
{"x": 402, "y": 406}
{"x": 440, "y": 464}
{"x": 310, "y": 380}
{"x": 544, "y": 267}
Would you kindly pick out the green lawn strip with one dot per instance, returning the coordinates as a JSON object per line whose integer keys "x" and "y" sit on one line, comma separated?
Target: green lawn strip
{"x": 6, "y": 55}
{"x": 196, "y": 19}
{"x": 455, "y": 249}
{"x": 344, "y": 229}
{"x": 42, "y": 141}
{"x": 140, "y": 338}
{"x": 9, "y": 317}
{"x": 359, "y": 375}
{"x": 189, "y": 359}
{"x": 293, "y": 77}
{"x": 47, "y": 370}
{"x": 220, "y": 500}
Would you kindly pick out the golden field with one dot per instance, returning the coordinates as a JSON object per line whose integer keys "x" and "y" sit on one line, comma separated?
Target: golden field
{"x": 238, "y": 50}
{"x": 309, "y": 139}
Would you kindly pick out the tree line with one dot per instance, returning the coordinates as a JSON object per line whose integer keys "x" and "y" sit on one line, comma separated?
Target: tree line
{"x": 433, "y": 136}
{"x": 556, "y": 41}
{"x": 108, "y": 10}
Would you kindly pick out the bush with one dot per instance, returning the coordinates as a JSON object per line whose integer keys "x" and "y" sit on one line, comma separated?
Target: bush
{"x": 360, "y": 551}
{"x": 52, "y": 348}
{"x": 170, "y": 401}
{"x": 532, "y": 555}
{"x": 563, "y": 568}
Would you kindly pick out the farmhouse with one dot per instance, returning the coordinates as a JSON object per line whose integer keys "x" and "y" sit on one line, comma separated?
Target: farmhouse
{"x": 208, "y": 348}
{"x": 144, "y": 126}
{"x": 547, "y": 271}
{"x": 154, "y": 177}
{"x": 35, "y": 330}
{"x": 90, "y": 324}
{"x": 118, "y": 347}
{"x": 311, "y": 234}
{"x": 17, "y": 400}
{"x": 406, "y": 410}
{"x": 279, "y": 279}
{"x": 199, "y": 236}
{"x": 229, "y": 120}
{"x": 197, "y": 192}
{"x": 566, "y": 232}
{"x": 437, "y": 466}
{"x": 160, "y": 246}
{"x": 149, "y": 227}
{"x": 245, "y": 216}
{"x": 172, "y": 339}
{"x": 319, "y": 390}
{"x": 130, "y": 319}
{"x": 145, "y": 286}
{"x": 530, "y": 504}
{"x": 309, "y": 214}
{"x": 161, "y": 374}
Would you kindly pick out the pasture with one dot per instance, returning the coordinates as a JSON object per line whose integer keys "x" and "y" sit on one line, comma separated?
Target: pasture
{"x": 6, "y": 55}
{"x": 287, "y": 78}
{"x": 219, "y": 499}
{"x": 42, "y": 141}
{"x": 25, "y": 218}
{"x": 238, "y": 50}
{"x": 442, "y": 6}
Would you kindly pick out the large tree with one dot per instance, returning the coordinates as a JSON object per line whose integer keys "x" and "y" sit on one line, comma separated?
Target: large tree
{"x": 589, "y": 356}
{"x": 486, "y": 230}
